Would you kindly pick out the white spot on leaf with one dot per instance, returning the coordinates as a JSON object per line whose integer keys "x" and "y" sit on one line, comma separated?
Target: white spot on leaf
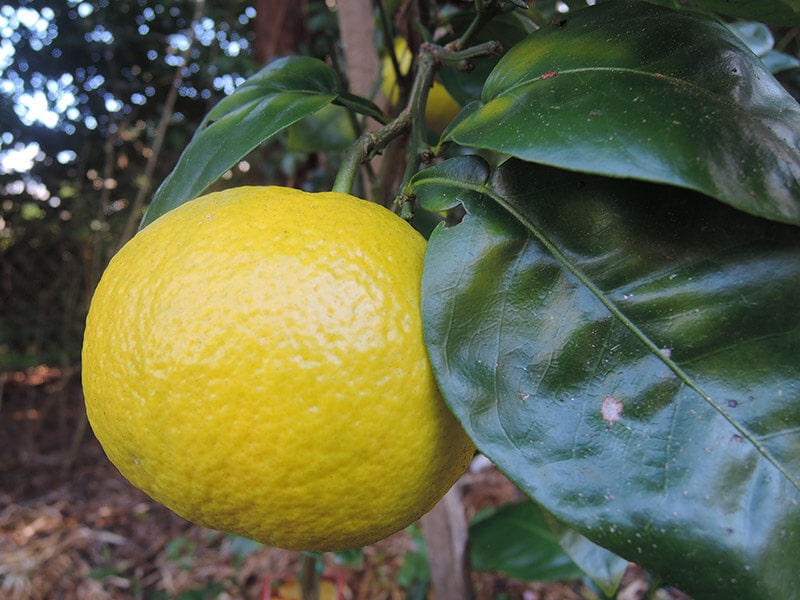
{"x": 611, "y": 409}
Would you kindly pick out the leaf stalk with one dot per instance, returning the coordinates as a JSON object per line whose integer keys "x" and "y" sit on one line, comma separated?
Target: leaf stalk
{"x": 485, "y": 11}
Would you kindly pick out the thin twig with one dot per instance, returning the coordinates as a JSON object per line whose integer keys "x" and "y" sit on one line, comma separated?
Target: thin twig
{"x": 166, "y": 116}
{"x": 411, "y": 118}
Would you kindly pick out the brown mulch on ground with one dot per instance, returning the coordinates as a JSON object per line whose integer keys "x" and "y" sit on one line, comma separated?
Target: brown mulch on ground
{"x": 72, "y": 527}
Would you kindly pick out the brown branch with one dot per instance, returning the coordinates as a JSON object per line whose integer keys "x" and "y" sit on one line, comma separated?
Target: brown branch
{"x": 357, "y": 27}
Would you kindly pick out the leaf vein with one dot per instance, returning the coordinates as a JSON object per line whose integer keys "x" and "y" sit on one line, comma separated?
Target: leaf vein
{"x": 618, "y": 314}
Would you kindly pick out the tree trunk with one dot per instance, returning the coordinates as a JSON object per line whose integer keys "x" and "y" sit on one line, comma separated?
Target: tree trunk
{"x": 357, "y": 26}
{"x": 280, "y": 28}
{"x": 445, "y": 531}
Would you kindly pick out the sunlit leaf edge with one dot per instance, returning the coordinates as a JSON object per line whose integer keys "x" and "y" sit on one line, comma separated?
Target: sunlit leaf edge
{"x": 775, "y": 195}
{"x": 266, "y": 104}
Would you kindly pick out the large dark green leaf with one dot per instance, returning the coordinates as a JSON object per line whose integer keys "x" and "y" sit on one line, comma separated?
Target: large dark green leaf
{"x": 628, "y": 353}
{"x": 279, "y": 95}
{"x": 631, "y": 89}
{"x": 361, "y": 106}
{"x": 779, "y": 12}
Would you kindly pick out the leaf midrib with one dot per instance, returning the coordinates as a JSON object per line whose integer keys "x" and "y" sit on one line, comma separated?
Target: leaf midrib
{"x": 675, "y": 82}
{"x": 684, "y": 377}
{"x": 639, "y": 334}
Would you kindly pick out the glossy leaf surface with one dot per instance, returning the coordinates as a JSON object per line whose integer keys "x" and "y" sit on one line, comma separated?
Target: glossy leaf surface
{"x": 516, "y": 540}
{"x": 779, "y": 12}
{"x": 631, "y": 89}
{"x": 757, "y": 36}
{"x": 627, "y": 353}
{"x": 360, "y": 105}
{"x": 279, "y": 95}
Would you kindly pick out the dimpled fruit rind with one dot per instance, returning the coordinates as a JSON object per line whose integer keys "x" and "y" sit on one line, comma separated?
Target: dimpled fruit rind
{"x": 254, "y": 361}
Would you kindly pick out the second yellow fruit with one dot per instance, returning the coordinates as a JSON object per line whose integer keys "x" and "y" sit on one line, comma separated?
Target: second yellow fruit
{"x": 254, "y": 360}
{"x": 441, "y": 107}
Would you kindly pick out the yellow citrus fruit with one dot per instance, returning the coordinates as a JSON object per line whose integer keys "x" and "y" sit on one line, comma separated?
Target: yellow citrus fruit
{"x": 441, "y": 107}
{"x": 254, "y": 361}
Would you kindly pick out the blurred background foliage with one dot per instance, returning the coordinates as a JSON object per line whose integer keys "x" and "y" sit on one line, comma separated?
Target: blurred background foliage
{"x": 97, "y": 100}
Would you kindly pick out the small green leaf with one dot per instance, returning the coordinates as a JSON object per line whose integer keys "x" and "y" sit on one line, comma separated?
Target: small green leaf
{"x": 627, "y": 353}
{"x": 242, "y": 547}
{"x": 516, "y": 540}
{"x": 757, "y": 36}
{"x": 361, "y": 106}
{"x": 630, "y": 89}
{"x": 30, "y": 211}
{"x": 444, "y": 186}
{"x": 415, "y": 574}
{"x": 353, "y": 559}
{"x": 779, "y": 61}
{"x": 267, "y": 103}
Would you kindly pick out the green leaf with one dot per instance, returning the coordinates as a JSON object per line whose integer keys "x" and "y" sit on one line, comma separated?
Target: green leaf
{"x": 777, "y": 12}
{"x": 415, "y": 574}
{"x": 630, "y": 89}
{"x": 601, "y": 566}
{"x": 627, "y": 353}
{"x": 279, "y": 95}
{"x": 242, "y": 547}
{"x": 434, "y": 185}
{"x": 360, "y": 105}
{"x": 757, "y": 36}
{"x": 778, "y": 61}
{"x": 327, "y": 130}
{"x": 516, "y": 540}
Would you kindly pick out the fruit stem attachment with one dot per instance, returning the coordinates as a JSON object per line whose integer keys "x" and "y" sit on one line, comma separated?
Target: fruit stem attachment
{"x": 432, "y": 57}
{"x": 412, "y": 118}
{"x": 309, "y": 576}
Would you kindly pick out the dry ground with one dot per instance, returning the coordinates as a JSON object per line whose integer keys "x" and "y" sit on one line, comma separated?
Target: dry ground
{"x": 72, "y": 527}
